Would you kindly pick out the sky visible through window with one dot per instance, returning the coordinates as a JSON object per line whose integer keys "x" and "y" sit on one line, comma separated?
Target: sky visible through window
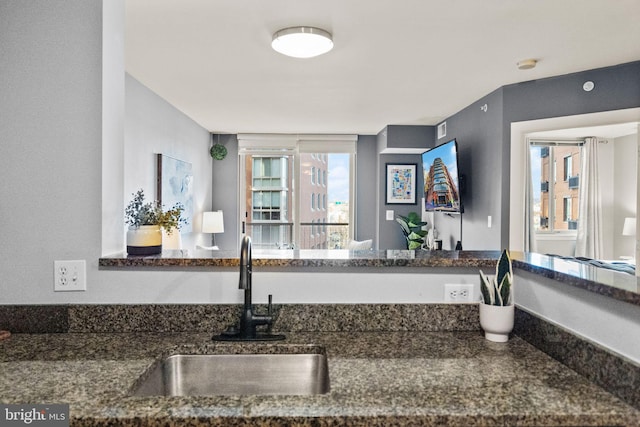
{"x": 338, "y": 179}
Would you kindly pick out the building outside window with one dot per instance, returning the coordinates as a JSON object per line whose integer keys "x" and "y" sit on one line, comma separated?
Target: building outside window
{"x": 278, "y": 213}
{"x": 269, "y": 198}
{"x": 556, "y": 201}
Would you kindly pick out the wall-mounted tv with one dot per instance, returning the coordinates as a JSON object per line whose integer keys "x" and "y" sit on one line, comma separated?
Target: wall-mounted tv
{"x": 441, "y": 179}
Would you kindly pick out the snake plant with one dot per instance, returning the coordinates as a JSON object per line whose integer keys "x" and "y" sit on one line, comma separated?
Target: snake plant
{"x": 412, "y": 229}
{"x": 497, "y": 290}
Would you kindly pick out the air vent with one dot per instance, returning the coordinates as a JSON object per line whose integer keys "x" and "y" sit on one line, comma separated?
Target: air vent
{"x": 442, "y": 130}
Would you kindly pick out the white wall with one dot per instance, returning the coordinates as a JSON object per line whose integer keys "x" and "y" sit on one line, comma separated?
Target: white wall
{"x": 624, "y": 192}
{"x": 153, "y": 126}
{"x": 62, "y": 154}
{"x": 50, "y": 143}
{"x": 556, "y": 245}
{"x": 606, "y": 150}
{"x": 603, "y": 320}
{"x": 112, "y": 125}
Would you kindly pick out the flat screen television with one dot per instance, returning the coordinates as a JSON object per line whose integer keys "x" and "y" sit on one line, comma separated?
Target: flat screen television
{"x": 441, "y": 179}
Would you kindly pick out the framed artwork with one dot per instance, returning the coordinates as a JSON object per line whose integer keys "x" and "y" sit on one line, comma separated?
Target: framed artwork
{"x": 401, "y": 184}
{"x": 175, "y": 184}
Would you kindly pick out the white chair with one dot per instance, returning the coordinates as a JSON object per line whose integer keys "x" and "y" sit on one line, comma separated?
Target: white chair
{"x": 364, "y": 245}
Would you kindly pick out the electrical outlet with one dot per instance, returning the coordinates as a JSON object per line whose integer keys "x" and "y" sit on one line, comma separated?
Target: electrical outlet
{"x": 69, "y": 275}
{"x": 458, "y": 293}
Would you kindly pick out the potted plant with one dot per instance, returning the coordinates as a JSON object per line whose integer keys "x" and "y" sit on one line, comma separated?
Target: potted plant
{"x": 412, "y": 229}
{"x": 497, "y": 308}
{"x": 146, "y": 221}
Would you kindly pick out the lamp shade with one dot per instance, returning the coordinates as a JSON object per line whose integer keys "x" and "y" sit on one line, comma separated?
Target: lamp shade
{"x": 629, "y": 228}
{"x": 212, "y": 222}
{"x": 302, "y": 42}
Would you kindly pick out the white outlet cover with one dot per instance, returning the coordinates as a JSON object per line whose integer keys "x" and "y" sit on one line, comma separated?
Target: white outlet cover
{"x": 458, "y": 293}
{"x": 69, "y": 276}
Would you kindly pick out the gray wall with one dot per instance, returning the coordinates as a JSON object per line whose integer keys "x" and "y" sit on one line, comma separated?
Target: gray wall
{"x": 365, "y": 187}
{"x": 225, "y": 192}
{"x": 479, "y": 137}
{"x": 485, "y": 138}
{"x": 392, "y": 137}
{"x": 50, "y": 142}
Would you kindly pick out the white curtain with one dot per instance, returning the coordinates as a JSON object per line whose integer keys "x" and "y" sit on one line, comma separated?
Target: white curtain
{"x": 529, "y": 230}
{"x": 589, "y": 239}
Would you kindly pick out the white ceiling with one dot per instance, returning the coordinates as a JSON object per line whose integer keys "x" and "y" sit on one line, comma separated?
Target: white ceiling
{"x": 612, "y": 131}
{"x": 394, "y": 62}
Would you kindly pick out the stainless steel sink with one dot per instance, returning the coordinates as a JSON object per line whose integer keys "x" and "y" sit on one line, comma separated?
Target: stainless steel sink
{"x": 237, "y": 374}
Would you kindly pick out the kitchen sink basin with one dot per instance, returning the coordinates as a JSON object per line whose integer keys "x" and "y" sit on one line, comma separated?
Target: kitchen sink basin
{"x": 235, "y": 374}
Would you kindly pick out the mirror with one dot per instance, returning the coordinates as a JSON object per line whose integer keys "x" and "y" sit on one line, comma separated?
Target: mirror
{"x": 618, "y": 142}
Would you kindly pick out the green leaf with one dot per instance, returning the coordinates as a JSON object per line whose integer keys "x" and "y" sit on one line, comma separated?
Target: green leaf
{"x": 413, "y": 217}
{"x": 414, "y": 244}
{"x": 486, "y": 288}
{"x": 505, "y": 290}
{"x": 503, "y": 267}
{"x": 414, "y": 236}
{"x": 403, "y": 224}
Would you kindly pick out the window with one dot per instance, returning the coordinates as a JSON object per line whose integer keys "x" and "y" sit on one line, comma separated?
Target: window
{"x": 568, "y": 170}
{"x": 269, "y": 197}
{"x": 281, "y": 207}
{"x": 566, "y": 209}
{"x": 556, "y": 199}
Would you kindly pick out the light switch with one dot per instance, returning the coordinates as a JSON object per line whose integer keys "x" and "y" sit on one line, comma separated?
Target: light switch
{"x": 489, "y": 221}
{"x": 390, "y": 215}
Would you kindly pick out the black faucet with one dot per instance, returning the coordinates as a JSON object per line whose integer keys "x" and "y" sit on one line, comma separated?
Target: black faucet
{"x": 249, "y": 321}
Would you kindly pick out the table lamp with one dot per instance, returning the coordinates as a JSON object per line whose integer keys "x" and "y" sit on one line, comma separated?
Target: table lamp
{"x": 212, "y": 222}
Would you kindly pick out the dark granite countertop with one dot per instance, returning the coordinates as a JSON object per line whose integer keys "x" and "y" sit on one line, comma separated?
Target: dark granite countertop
{"x": 377, "y": 378}
{"x": 614, "y": 284}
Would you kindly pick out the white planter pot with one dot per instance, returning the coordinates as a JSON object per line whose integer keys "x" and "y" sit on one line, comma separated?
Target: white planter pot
{"x": 497, "y": 321}
{"x": 171, "y": 241}
{"x": 144, "y": 240}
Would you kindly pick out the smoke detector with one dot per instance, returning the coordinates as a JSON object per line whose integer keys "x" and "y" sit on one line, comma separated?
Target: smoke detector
{"x": 527, "y": 64}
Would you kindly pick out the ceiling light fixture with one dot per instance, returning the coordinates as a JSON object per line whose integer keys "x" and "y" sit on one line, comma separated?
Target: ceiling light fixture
{"x": 527, "y": 64}
{"x": 302, "y": 42}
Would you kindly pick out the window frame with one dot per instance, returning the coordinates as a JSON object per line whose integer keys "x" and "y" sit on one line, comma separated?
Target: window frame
{"x": 320, "y": 146}
{"x": 553, "y": 180}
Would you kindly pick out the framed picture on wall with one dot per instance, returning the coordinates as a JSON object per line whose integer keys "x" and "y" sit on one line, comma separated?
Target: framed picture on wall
{"x": 400, "y": 188}
{"x": 175, "y": 185}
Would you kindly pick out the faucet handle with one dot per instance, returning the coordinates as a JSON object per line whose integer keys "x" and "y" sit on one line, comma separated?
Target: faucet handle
{"x": 270, "y": 306}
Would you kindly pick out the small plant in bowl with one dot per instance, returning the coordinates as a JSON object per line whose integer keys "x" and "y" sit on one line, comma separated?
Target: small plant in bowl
{"x": 146, "y": 221}
{"x": 496, "y": 290}
{"x": 497, "y": 311}
{"x": 412, "y": 229}
{"x": 139, "y": 213}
